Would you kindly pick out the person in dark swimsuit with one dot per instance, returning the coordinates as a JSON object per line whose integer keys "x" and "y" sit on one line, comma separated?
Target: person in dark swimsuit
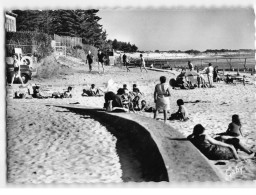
{"x": 116, "y": 100}
{"x": 90, "y": 60}
{"x": 101, "y": 58}
{"x": 233, "y": 134}
{"x": 125, "y": 62}
{"x": 16, "y": 71}
{"x": 211, "y": 148}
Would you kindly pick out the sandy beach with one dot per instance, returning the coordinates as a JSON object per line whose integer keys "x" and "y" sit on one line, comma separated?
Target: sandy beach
{"x": 46, "y": 144}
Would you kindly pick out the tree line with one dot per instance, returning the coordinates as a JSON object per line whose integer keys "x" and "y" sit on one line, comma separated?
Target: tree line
{"x": 74, "y": 23}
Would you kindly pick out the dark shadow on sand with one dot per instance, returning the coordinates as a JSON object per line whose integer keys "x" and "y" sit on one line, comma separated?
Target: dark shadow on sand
{"x": 139, "y": 155}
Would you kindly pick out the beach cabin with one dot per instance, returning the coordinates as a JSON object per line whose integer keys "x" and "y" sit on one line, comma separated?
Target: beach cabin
{"x": 10, "y": 21}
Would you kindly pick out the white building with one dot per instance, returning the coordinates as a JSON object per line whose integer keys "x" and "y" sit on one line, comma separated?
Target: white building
{"x": 10, "y": 21}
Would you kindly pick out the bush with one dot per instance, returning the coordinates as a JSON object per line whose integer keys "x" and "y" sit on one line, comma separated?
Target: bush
{"x": 49, "y": 68}
{"x": 28, "y": 42}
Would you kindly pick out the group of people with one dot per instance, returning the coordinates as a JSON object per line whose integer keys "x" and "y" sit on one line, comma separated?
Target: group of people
{"x": 125, "y": 100}
{"x": 222, "y": 147}
{"x": 142, "y": 63}
{"x": 225, "y": 145}
{"x": 101, "y": 60}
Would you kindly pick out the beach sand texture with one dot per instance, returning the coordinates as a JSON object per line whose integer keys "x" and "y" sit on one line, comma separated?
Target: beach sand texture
{"x": 46, "y": 144}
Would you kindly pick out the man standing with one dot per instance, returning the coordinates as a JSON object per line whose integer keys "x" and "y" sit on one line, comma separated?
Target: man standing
{"x": 190, "y": 66}
{"x": 101, "y": 57}
{"x": 125, "y": 62}
{"x": 90, "y": 60}
{"x": 209, "y": 73}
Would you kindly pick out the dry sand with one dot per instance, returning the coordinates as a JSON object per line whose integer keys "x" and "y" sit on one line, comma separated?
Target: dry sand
{"x": 48, "y": 144}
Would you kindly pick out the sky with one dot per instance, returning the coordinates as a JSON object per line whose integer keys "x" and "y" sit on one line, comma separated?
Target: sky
{"x": 181, "y": 29}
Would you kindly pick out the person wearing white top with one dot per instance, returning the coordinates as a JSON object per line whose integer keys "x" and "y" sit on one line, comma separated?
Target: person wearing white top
{"x": 142, "y": 63}
{"x": 209, "y": 72}
{"x": 161, "y": 97}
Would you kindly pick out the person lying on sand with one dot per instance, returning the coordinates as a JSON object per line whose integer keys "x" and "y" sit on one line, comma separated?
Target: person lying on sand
{"x": 181, "y": 114}
{"x": 145, "y": 107}
{"x": 66, "y": 94}
{"x": 93, "y": 91}
{"x": 211, "y": 148}
{"x": 233, "y": 134}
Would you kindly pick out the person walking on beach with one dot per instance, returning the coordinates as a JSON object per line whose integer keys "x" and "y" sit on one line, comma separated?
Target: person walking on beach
{"x": 16, "y": 71}
{"x": 101, "y": 58}
{"x": 190, "y": 66}
{"x": 90, "y": 60}
{"x": 161, "y": 97}
{"x": 143, "y": 64}
{"x": 125, "y": 62}
{"x": 209, "y": 72}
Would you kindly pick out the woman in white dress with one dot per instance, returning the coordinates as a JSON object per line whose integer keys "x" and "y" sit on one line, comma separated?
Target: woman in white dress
{"x": 161, "y": 97}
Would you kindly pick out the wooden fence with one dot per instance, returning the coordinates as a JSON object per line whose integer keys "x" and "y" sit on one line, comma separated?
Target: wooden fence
{"x": 68, "y": 41}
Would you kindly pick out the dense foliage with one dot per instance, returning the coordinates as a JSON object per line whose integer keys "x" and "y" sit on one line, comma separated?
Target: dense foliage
{"x": 123, "y": 46}
{"x": 74, "y": 23}
{"x": 29, "y": 42}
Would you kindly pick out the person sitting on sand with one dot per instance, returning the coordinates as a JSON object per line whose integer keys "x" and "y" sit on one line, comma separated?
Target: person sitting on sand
{"x": 229, "y": 79}
{"x": 214, "y": 149}
{"x": 68, "y": 93}
{"x": 93, "y": 91}
{"x": 161, "y": 97}
{"x": 135, "y": 90}
{"x": 211, "y": 148}
{"x": 125, "y": 86}
{"x": 181, "y": 114}
{"x": 145, "y": 107}
{"x": 136, "y": 103}
{"x": 36, "y": 92}
{"x": 233, "y": 134}
{"x": 113, "y": 102}
{"x": 127, "y": 100}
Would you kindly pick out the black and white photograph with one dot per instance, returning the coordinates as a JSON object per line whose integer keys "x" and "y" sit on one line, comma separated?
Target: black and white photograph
{"x": 116, "y": 95}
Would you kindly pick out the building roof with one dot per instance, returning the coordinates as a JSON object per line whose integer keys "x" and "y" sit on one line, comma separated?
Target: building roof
{"x": 10, "y": 13}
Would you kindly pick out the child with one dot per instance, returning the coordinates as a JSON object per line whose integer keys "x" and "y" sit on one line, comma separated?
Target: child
{"x": 95, "y": 91}
{"x": 127, "y": 100}
{"x": 182, "y": 113}
{"x": 135, "y": 103}
{"x": 135, "y": 90}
